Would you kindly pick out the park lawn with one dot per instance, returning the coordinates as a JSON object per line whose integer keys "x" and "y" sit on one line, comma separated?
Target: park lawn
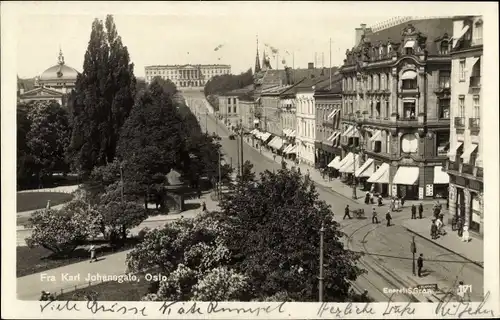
{"x": 38, "y": 200}
{"x": 39, "y": 259}
{"x": 110, "y": 291}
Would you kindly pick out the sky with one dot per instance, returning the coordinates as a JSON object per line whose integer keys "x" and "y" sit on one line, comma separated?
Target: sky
{"x": 188, "y": 32}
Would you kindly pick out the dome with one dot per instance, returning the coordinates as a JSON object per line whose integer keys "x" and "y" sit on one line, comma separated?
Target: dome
{"x": 59, "y": 72}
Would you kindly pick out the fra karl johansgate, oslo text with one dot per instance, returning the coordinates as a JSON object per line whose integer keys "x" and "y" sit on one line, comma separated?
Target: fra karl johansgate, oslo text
{"x": 98, "y": 277}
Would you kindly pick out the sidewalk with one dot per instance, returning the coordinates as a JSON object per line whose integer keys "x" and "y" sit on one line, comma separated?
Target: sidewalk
{"x": 64, "y": 189}
{"x": 472, "y": 251}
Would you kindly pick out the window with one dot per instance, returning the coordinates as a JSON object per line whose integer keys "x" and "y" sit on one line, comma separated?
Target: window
{"x": 476, "y": 107}
{"x": 409, "y": 110}
{"x": 387, "y": 142}
{"x": 475, "y": 78}
{"x": 477, "y": 33}
{"x": 409, "y": 143}
{"x": 444, "y": 108}
{"x": 377, "y": 109}
{"x": 409, "y": 84}
{"x": 409, "y": 51}
{"x": 442, "y": 143}
{"x": 229, "y": 109}
{"x": 234, "y": 100}
{"x": 461, "y": 70}
{"x": 387, "y": 81}
{"x": 369, "y": 84}
{"x": 461, "y": 106}
{"x": 371, "y": 108}
{"x": 234, "y": 109}
{"x": 229, "y": 100}
{"x": 387, "y": 111}
{"x": 444, "y": 79}
{"x": 383, "y": 82}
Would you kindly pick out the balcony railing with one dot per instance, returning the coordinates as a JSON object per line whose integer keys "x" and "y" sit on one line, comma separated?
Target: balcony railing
{"x": 479, "y": 172}
{"x": 459, "y": 122}
{"x": 474, "y": 123}
{"x": 453, "y": 166}
{"x": 475, "y": 82}
{"x": 467, "y": 168}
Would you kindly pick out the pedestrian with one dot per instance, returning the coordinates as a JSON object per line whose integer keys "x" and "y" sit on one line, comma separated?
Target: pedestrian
{"x": 204, "y": 207}
{"x": 441, "y": 217}
{"x": 420, "y": 210}
{"x": 92, "y": 253}
{"x": 374, "y": 216}
{"x": 379, "y": 200}
{"x": 199, "y": 192}
{"x": 402, "y": 201}
{"x": 413, "y": 211}
{"x": 346, "y": 213}
{"x": 388, "y": 217}
{"x": 393, "y": 204}
{"x": 367, "y": 198}
{"x": 433, "y": 229}
{"x": 460, "y": 227}
{"x": 420, "y": 264}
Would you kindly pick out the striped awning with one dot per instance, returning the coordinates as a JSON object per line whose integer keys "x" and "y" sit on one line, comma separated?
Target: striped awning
{"x": 331, "y": 115}
{"x": 292, "y": 150}
{"x": 288, "y": 147}
{"x": 334, "y": 163}
{"x": 350, "y": 165}
{"x": 348, "y": 157}
{"x": 265, "y": 136}
{"x": 381, "y": 175}
{"x": 377, "y": 136}
{"x": 406, "y": 176}
{"x": 366, "y": 170}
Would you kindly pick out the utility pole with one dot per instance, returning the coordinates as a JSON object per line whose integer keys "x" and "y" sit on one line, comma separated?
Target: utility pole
{"x": 354, "y": 195}
{"x": 330, "y": 64}
{"x": 320, "y": 278}
{"x": 121, "y": 181}
{"x": 220, "y": 179}
{"x": 241, "y": 147}
{"x": 413, "y": 249}
{"x": 238, "y": 154}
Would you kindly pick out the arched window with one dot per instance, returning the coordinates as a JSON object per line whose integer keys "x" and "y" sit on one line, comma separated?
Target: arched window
{"x": 409, "y": 80}
{"x": 369, "y": 83}
{"x": 409, "y": 143}
{"x": 381, "y": 51}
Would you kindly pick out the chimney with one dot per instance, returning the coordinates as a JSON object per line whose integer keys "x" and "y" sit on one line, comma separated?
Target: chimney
{"x": 358, "y": 33}
{"x": 310, "y": 65}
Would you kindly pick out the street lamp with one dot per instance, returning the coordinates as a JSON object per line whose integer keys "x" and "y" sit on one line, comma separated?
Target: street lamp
{"x": 354, "y": 148}
{"x": 121, "y": 181}
{"x": 321, "y": 249}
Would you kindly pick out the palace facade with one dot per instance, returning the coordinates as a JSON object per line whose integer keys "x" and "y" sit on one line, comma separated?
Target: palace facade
{"x": 188, "y": 75}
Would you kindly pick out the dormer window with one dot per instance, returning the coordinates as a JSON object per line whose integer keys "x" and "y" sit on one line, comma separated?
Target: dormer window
{"x": 444, "y": 47}
{"x": 408, "y": 48}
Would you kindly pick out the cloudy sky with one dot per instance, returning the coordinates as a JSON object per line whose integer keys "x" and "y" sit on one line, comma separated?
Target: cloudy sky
{"x": 160, "y": 33}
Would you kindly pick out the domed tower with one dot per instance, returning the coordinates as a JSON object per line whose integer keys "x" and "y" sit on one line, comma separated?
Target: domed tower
{"x": 60, "y": 77}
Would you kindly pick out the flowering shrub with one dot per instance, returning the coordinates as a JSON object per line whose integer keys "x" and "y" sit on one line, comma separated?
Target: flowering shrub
{"x": 220, "y": 284}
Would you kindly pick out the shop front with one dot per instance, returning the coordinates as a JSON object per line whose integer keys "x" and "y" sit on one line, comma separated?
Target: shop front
{"x": 380, "y": 179}
{"x": 405, "y": 183}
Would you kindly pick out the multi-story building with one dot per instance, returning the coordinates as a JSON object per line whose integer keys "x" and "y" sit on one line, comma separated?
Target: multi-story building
{"x": 187, "y": 75}
{"x": 306, "y": 120}
{"x": 328, "y": 104}
{"x": 231, "y": 105}
{"x": 396, "y": 98}
{"x": 465, "y": 165}
{"x": 288, "y": 115}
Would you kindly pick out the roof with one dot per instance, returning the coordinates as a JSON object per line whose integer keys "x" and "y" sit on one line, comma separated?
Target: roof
{"x": 336, "y": 85}
{"x": 240, "y": 91}
{"x": 184, "y": 65}
{"x": 59, "y": 72}
{"x": 433, "y": 28}
{"x": 40, "y": 92}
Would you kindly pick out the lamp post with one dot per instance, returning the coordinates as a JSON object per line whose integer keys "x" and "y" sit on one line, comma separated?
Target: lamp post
{"x": 360, "y": 148}
{"x": 220, "y": 179}
{"x": 121, "y": 181}
{"x": 320, "y": 278}
{"x": 241, "y": 146}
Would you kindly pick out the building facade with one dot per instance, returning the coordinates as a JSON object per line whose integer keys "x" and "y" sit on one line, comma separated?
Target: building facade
{"x": 465, "y": 164}
{"x": 328, "y": 104}
{"x": 396, "y": 109}
{"x": 229, "y": 109}
{"x": 188, "y": 75}
{"x": 55, "y": 83}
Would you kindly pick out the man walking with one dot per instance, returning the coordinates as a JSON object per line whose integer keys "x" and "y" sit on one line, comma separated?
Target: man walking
{"x": 374, "y": 216}
{"x": 420, "y": 264}
{"x": 388, "y": 217}
{"x": 413, "y": 211}
{"x": 346, "y": 212}
{"x": 420, "y": 210}
{"x": 92, "y": 254}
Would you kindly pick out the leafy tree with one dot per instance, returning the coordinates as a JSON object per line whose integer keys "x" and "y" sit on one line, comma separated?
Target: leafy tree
{"x": 224, "y": 83}
{"x": 62, "y": 231}
{"x": 276, "y": 239}
{"x": 168, "y": 86}
{"x": 104, "y": 96}
{"x": 221, "y": 284}
{"x": 248, "y": 174}
{"x": 25, "y": 161}
{"x": 47, "y": 138}
{"x": 152, "y": 141}
{"x": 140, "y": 85}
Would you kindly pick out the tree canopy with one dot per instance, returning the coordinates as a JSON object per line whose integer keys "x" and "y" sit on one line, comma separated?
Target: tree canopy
{"x": 224, "y": 83}
{"x": 103, "y": 98}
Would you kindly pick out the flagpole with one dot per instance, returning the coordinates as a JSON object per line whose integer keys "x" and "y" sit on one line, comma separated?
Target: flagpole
{"x": 330, "y": 63}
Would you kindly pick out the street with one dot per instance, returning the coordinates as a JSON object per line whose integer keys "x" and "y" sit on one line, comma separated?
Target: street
{"x": 387, "y": 257}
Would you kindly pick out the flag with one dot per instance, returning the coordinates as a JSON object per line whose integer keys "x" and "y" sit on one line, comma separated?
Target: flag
{"x": 283, "y": 61}
{"x": 274, "y": 50}
{"x": 218, "y": 47}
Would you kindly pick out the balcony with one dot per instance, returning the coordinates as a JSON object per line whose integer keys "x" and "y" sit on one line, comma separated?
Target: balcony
{"x": 474, "y": 125}
{"x": 467, "y": 168}
{"x": 459, "y": 122}
{"x": 464, "y": 170}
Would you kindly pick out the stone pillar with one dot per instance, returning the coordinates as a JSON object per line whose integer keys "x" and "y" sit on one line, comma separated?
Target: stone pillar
{"x": 467, "y": 201}
{"x": 452, "y": 196}
{"x": 394, "y": 94}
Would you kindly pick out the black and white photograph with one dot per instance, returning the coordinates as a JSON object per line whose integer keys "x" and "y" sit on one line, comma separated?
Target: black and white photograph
{"x": 234, "y": 159}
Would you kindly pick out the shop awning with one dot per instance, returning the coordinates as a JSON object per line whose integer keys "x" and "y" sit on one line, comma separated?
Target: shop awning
{"x": 348, "y": 157}
{"x": 265, "y": 136}
{"x": 330, "y": 138}
{"x": 337, "y": 135}
{"x": 406, "y": 176}
{"x": 278, "y": 143}
{"x": 354, "y": 133}
{"x": 254, "y": 131}
{"x": 292, "y": 134}
{"x": 288, "y": 147}
{"x": 453, "y": 151}
{"x": 377, "y": 136}
{"x": 286, "y": 132}
{"x": 471, "y": 62}
{"x": 366, "y": 170}
{"x": 271, "y": 143}
{"x": 459, "y": 35}
{"x": 408, "y": 75}
{"x": 292, "y": 150}
{"x": 466, "y": 155}
{"x": 410, "y": 44}
{"x": 381, "y": 175}
{"x": 334, "y": 163}
{"x": 350, "y": 166}
{"x": 348, "y": 130}
{"x": 440, "y": 176}
{"x": 331, "y": 115}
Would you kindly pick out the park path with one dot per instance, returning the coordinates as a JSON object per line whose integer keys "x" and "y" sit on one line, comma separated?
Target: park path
{"x": 29, "y": 287}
